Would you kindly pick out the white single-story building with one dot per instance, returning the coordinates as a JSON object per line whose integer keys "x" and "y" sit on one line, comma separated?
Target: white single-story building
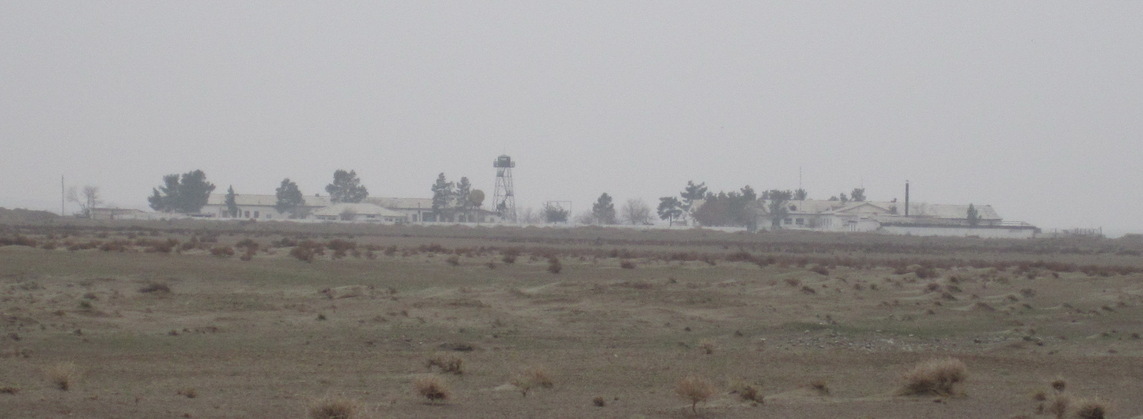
{"x": 258, "y": 207}
{"x": 359, "y": 212}
{"x": 890, "y": 217}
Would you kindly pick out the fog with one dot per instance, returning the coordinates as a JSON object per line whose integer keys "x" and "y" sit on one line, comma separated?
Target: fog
{"x": 1031, "y": 107}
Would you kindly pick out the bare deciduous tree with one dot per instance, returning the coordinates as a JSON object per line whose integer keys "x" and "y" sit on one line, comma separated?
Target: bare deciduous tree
{"x": 87, "y": 199}
{"x": 636, "y": 212}
{"x": 528, "y": 216}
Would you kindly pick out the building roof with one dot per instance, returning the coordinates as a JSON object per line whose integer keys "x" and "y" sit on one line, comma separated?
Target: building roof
{"x": 254, "y": 200}
{"x": 916, "y": 209}
{"x": 401, "y": 203}
{"x": 949, "y": 211}
{"x": 336, "y": 210}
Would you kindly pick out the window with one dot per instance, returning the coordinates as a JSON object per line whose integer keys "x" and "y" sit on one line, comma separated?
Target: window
{"x": 800, "y": 221}
{"x": 788, "y": 221}
{"x": 246, "y": 214}
{"x": 255, "y": 214}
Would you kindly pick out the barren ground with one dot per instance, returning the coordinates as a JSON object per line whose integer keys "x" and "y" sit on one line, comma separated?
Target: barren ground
{"x": 821, "y": 325}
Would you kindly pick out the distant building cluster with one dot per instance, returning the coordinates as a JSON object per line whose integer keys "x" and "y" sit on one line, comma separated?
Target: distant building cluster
{"x": 319, "y": 208}
{"x": 921, "y": 219}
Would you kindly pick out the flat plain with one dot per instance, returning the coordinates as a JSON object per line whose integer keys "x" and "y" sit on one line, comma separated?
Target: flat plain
{"x": 237, "y": 320}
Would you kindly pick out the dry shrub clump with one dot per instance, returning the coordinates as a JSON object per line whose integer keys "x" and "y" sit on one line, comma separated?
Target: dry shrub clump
{"x": 530, "y": 378}
{"x": 820, "y": 386}
{"x": 432, "y": 387}
{"x": 626, "y": 264}
{"x": 63, "y": 375}
{"x": 747, "y": 391}
{"x": 155, "y": 287}
{"x": 446, "y": 362}
{"x": 707, "y": 346}
{"x": 940, "y": 377}
{"x": 1091, "y": 409}
{"x": 334, "y": 407}
{"x": 1060, "y": 405}
{"x": 695, "y": 389}
{"x": 554, "y": 265}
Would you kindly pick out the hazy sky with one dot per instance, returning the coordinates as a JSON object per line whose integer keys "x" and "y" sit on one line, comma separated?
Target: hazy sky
{"x": 1033, "y": 107}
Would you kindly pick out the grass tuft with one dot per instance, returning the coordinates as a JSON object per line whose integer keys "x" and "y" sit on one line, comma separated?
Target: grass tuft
{"x": 446, "y": 362}
{"x": 1091, "y": 409}
{"x": 941, "y": 377}
{"x": 530, "y": 378}
{"x": 334, "y": 407}
{"x": 63, "y": 375}
{"x": 695, "y": 389}
{"x": 432, "y": 387}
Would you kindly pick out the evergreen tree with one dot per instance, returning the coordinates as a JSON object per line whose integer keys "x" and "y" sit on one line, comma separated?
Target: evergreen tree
{"x": 443, "y": 195}
{"x": 231, "y": 202}
{"x": 186, "y": 194}
{"x": 346, "y": 187}
{"x": 461, "y": 201}
{"x": 290, "y": 199}
{"x": 690, "y": 194}
{"x": 973, "y": 216}
{"x": 669, "y": 209}
{"x": 858, "y": 195}
{"x": 778, "y": 208}
{"x": 603, "y": 211}
{"x": 554, "y": 213}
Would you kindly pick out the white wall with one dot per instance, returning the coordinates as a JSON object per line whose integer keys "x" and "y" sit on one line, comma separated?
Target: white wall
{"x": 989, "y": 232}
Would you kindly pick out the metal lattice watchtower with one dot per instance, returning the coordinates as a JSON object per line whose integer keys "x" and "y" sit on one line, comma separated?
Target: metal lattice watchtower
{"x": 505, "y": 196}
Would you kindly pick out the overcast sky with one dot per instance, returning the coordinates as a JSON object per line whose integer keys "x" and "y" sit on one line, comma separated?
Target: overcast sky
{"x": 1035, "y": 108}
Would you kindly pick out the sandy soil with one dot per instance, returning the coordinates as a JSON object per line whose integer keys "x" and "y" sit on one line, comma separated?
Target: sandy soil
{"x": 266, "y": 337}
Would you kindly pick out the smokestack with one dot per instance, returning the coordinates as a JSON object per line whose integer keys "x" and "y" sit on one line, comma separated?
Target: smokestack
{"x": 906, "y": 198}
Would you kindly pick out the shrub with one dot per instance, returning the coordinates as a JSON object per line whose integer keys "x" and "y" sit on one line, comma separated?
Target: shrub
{"x": 554, "y": 265}
{"x": 748, "y": 392}
{"x": 1060, "y": 405}
{"x": 820, "y": 386}
{"x": 189, "y": 392}
{"x": 431, "y": 387}
{"x": 302, "y": 253}
{"x": 155, "y": 287}
{"x": 707, "y": 346}
{"x": 598, "y": 401}
{"x": 695, "y": 389}
{"x": 222, "y": 251}
{"x": 446, "y": 362}
{"x": 940, "y": 377}
{"x": 334, "y": 407}
{"x": 1059, "y": 385}
{"x": 626, "y": 264}
{"x": 63, "y": 375}
{"x": 530, "y": 378}
{"x": 453, "y": 260}
{"x": 1091, "y": 409}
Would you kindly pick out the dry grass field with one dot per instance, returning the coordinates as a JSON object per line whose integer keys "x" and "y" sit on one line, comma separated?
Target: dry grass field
{"x": 214, "y": 320}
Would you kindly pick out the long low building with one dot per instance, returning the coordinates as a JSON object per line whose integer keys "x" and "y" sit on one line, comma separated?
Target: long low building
{"x": 373, "y": 209}
{"x": 921, "y": 219}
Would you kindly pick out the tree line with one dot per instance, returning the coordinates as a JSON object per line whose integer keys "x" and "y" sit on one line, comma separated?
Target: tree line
{"x": 189, "y": 192}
